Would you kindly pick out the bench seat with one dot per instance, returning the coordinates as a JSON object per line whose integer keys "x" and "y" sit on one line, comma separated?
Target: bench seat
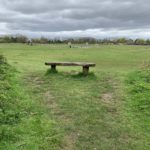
{"x": 85, "y": 65}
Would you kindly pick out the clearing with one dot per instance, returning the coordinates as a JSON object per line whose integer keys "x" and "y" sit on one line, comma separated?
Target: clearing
{"x": 90, "y": 112}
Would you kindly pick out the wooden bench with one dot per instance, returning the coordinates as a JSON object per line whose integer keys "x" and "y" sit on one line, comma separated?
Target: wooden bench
{"x": 84, "y": 65}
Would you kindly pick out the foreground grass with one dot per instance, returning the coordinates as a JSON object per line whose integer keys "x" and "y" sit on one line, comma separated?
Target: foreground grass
{"x": 94, "y": 112}
{"x": 89, "y": 109}
{"x": 24, "y": 123}
{"x": 138, "y": 100}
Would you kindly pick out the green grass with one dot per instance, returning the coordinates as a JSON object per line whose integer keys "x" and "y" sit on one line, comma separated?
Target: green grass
{"x": 24, "y": 123}
{"x": 92, "y": 112}
{"x": 138, "y": 101}
{"x": 108, "y": 58}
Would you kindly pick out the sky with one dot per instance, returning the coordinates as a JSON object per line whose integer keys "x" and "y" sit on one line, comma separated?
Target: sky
{"x": 76, "y": 18}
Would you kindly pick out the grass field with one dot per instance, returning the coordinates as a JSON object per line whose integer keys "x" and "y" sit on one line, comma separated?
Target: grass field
{"x": 92, "y": 112}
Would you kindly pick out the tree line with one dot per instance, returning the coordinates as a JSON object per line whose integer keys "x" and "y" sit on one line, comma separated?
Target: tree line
{"x": 83, "y": 40}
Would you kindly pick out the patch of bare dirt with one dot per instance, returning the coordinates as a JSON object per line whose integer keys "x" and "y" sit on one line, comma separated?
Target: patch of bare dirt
{"x": 107, "y": 98}
{"x": 69, "y": 141}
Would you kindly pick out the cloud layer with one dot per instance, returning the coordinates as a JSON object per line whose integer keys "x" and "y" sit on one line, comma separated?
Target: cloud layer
{"x": 97, "y": 18}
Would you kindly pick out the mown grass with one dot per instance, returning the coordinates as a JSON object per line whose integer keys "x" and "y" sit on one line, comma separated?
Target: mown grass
{"x": 93, "y": 112}
{"x": 107, "y": 58}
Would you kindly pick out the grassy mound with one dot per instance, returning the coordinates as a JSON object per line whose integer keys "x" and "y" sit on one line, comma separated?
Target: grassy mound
{"x": 24, "y": 124}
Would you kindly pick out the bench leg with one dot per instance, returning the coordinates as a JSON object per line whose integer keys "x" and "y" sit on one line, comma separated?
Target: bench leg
{"x": 53, "y": 67}
{"x": 85, "y": 70}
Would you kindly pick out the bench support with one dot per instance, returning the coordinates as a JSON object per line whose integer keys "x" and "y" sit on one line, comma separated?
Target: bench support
{"x": 85, "y": 70}
{"x": 53, "y": 67}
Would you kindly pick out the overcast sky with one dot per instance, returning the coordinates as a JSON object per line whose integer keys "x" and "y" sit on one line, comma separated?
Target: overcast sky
{"x": 74, "y": 18}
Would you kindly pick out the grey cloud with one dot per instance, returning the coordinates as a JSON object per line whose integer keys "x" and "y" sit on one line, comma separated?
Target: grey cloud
{"x": 71, "y": 15}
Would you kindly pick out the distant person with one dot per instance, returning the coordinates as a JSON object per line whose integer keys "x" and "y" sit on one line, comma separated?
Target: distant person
{"x": 69, "y": 43}
{"x": 30, "y": 42}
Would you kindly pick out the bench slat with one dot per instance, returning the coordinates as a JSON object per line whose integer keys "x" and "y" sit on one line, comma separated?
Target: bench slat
{"x": 71, "y": 64}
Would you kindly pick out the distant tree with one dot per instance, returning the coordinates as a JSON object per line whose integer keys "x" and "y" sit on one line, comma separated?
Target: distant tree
{"x": 130, "y": 42}
{"x": 1, "y": 40}
{"x": 7, "y": 39}
{"x": 105, "y": 41}
{"x": 148, "y": 42}
{"x": 44, "y": 40}
{"x": 13, "y": 39}
{"x": 140, "y": 42}
{"x": 21, "y": 39}
{"x": 121, "y": 41}
{"x": 82, "y": 40}
{"x": 36, "y": 40}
